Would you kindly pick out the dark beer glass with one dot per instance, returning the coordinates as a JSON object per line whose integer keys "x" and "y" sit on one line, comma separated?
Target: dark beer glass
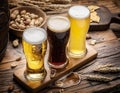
{"x": 58, "y": 29}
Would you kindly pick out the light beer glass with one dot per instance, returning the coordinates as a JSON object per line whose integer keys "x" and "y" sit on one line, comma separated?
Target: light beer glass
{"x": 58, "y": 28}
{"x": 34, "y": 46}
{"x": 80, "y": 20}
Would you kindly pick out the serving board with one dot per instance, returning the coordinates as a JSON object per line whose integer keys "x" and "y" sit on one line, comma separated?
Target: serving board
{"x": 106, "y": 18}
{"x": 35, "y": 86}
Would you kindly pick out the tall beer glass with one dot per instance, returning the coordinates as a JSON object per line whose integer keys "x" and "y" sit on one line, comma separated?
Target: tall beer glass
{"x": 80, "y": 20}
{"x": 58, "y": 34}
{"x": 34, "y": 46}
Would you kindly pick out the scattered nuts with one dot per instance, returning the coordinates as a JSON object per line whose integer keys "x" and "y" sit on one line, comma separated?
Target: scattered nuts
{"x": 93, "y": 42}
{"x": 62, "y": 90}
{"x": 88, "y": 36}
{"x": 11, "y": 88}
{"x": 15, "y": 43}
{"x": 13, "y": 65}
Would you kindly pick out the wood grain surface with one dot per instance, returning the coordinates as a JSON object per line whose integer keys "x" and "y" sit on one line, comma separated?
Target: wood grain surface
{"x": 34, "y": 87}
{"x": 108, "y": 47}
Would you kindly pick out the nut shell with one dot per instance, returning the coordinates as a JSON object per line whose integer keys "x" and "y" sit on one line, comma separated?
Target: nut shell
{"x": 26, "y": 22}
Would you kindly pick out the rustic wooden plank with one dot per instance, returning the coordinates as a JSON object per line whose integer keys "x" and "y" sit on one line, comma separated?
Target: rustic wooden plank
{"x": 116, "y": 29}
{"x": 93, "y": 89}
{"x": 99, "y": 47}
{"x": 108, "y": 53}
{"x": 109, "y": 48}
{"x": 103, "y": 58}
{"x": 73, "y": 63}
{"x": 6, "y": 71}
{"x": 102, "y": 36}
{"x": 114, "y": 89}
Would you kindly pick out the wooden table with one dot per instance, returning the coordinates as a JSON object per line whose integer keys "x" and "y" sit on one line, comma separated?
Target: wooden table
{"x": 108, "y": 47}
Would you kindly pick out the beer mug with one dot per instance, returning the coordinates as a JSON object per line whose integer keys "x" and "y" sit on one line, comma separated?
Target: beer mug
{"x": 80, "y": 20}
{"x": 34, "y": 46}
{"x": 58, "y": 29}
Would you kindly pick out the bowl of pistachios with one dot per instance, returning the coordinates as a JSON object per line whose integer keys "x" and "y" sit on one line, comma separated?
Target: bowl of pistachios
{"x": 24, "y": 17}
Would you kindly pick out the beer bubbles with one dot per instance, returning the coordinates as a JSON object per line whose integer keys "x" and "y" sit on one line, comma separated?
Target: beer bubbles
{"x": 34, "y": 35}
{"x": 79, "y": 12}
{"x": 34, "y": 46}
{"x": 58, "y": 24}
{"x": 80, "y": 20}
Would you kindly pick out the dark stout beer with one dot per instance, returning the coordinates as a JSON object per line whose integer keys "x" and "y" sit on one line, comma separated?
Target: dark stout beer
{"x": 58, "y": 35}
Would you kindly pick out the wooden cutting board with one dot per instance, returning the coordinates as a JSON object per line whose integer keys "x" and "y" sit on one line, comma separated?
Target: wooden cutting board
{"x": 35, "y": 86}
{"x": 106, "y": 18}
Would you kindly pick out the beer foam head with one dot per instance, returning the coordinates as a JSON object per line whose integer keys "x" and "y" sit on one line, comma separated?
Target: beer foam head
{"x": 34, "y": 35}
{"x": 58, "y": 24}
{"x": 79, "y": 12}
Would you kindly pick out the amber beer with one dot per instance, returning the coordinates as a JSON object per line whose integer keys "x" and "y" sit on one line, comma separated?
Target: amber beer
{"x": 58, "y": 35}
{"x": 80, "y": 20}
{"x": 34, "y": 46}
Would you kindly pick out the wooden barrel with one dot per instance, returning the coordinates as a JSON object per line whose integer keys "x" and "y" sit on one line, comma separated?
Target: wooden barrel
{"x": 4, "y": 26}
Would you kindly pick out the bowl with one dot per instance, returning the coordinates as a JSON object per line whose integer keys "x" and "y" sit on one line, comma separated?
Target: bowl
{"x": 32, "y": 10}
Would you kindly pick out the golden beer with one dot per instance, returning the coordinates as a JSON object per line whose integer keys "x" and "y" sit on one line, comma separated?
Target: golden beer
{"x": 34, "y": 46}
{"x": 80, "y": 20}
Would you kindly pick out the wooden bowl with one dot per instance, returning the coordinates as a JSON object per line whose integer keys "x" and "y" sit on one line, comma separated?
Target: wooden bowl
{"x": 39, "y": 12}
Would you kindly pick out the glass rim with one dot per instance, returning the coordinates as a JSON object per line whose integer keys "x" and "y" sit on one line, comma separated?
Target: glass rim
{"x": 34, "y": 29}
{"x": 59, "y": 17}
{"x": 83, "y": 14}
